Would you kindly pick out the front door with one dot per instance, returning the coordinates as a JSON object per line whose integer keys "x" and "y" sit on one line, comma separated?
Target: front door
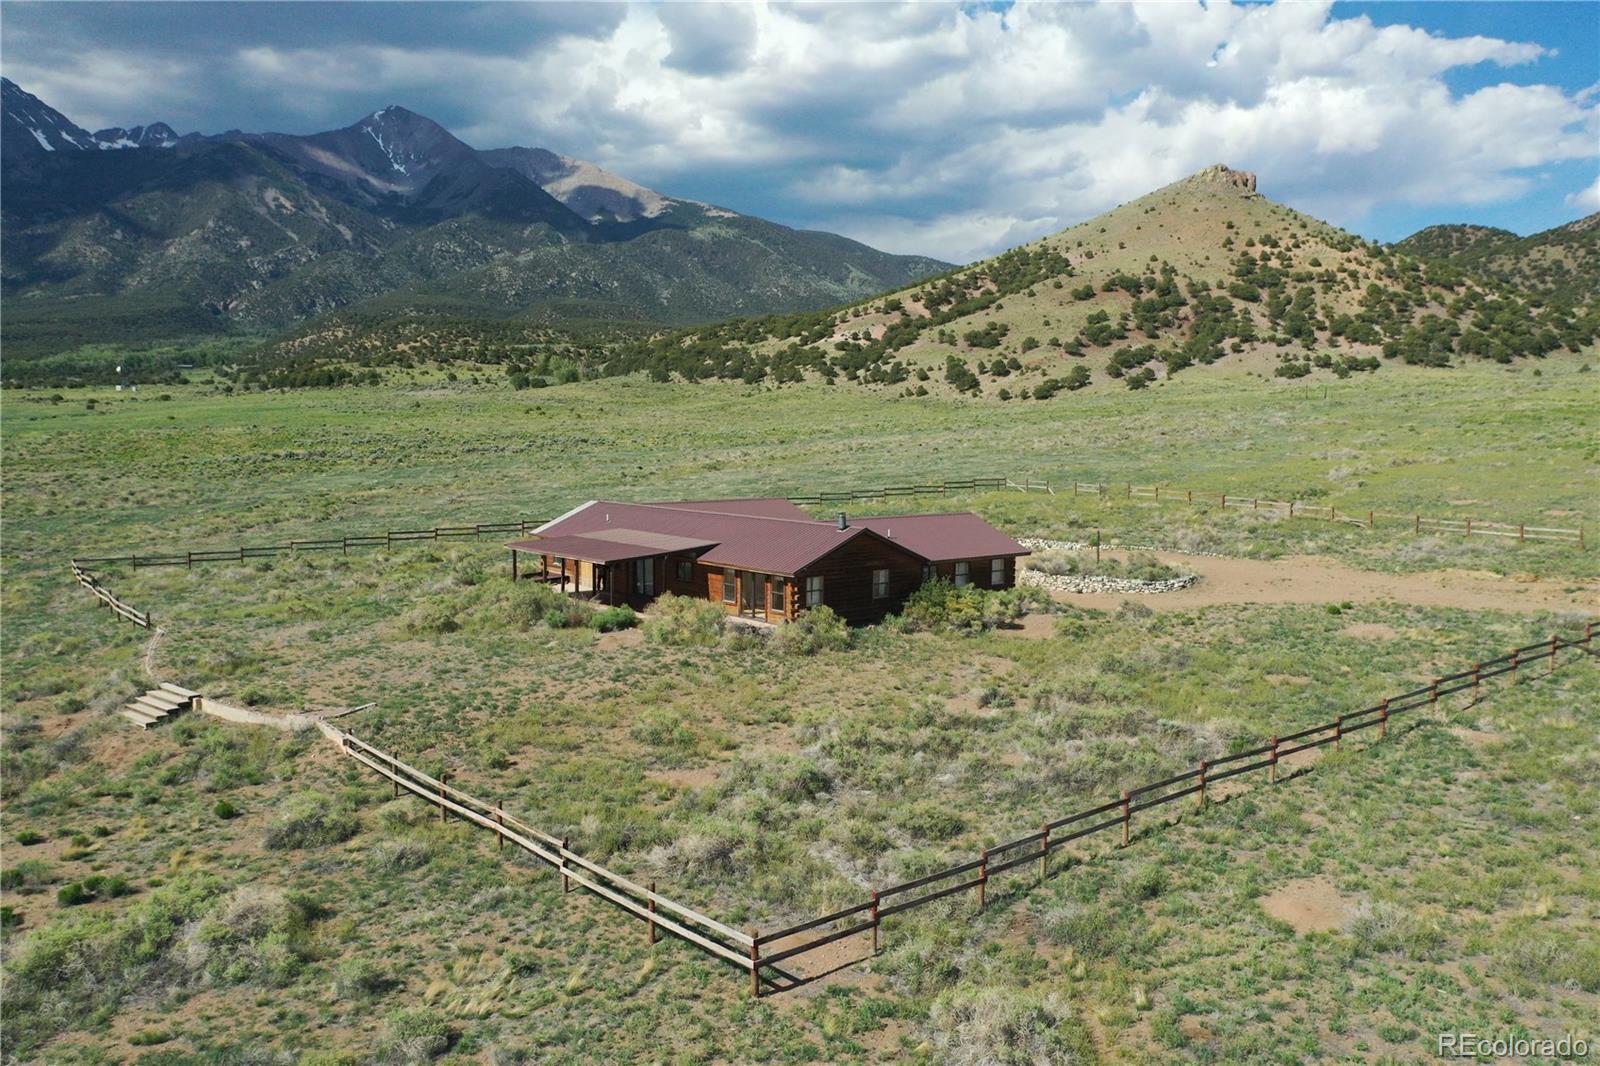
{"x": 644, "y": 577}
{"x": 752, "y": 587}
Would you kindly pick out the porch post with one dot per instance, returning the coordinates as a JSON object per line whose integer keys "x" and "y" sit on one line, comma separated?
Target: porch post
{"x": 513, "y": 564}
{"x": 611, "y": 584}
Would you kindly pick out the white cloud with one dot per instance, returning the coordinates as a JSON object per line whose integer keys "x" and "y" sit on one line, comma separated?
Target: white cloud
{"x": 951, "y": 130}
{"x": 1587, "y": 198}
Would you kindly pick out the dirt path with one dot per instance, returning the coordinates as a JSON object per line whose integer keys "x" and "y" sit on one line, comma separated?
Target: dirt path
{"x": 1320, "y": 579}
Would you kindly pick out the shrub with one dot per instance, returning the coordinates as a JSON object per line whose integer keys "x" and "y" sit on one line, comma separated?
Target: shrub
{"x": 614, "y": 618}
{"x": 72, "y": 894}
{"x": 76, "y": 970}
{"x": 29, "y": 837}
{"x": 26, "y": 875}
{"x": 254, "y": 934}
{"x": 225, "y": 809}
{"x": 940, "y": 606}
{"x": 1006, "y": 1027}
{"x": 684, "y": 621}
{"x": 359, "y": 979}
{"x": 311, "y": 821}
{"x": 530, "y": 603}
{"x": 431, "y": 617}
{"x": 416, "y": 1034}
{"x": 813, "y": 630}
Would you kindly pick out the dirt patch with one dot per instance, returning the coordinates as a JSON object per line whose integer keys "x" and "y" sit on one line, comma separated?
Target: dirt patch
{"x": 1310, "y": 905}
{"x": 702, "y": 777}
{"x": 1369, "y": 631}
{"x": 621, "y": 638}
{"x": 1476, "y": 738}
{"x": 1287, "y": 679}
{"x": 1320, "y": 579}
{"x": 1032, "y": 627}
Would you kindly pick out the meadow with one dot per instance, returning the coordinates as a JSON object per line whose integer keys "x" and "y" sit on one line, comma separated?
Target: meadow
{"x": 245, "y": 895}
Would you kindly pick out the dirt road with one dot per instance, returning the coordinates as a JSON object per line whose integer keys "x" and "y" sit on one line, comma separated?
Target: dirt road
{"x": 1320, "y": 579}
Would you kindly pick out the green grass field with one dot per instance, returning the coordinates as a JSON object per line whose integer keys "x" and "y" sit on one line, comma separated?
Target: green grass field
{"x": 243, "y": 893}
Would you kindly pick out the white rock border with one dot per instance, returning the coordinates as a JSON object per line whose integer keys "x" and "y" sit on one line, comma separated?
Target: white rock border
{"x": 1086, "y": 583}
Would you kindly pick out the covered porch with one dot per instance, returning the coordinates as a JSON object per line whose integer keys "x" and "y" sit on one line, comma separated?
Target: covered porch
{"x": 612, "y": 567}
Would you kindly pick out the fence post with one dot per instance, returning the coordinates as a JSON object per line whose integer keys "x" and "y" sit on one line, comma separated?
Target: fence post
{"x": 1477, "y": 671}
{"x": 652, "y": 912}
{"x": 500, "y": 824}
{"x": 1291, "y": 508}
{"x": 755, "y": 963}
{"x": 443, "y": 813}
{"x": 1191, "y": 495}
{"x": 1130, "y": 488}
{"x": 1469, "y": 527}
{"x": 1580, "y": 538}
{"x": 1338, "y": 732}
{"x": 1158, "y": 492}
{"x": 1383, "y": 719}
{"x": 1369, "y": 520}
{"x": 1127, "y": 817}
{"x": 1332, "y": 514}
{"x": 1074, "y": 486}
{"x": 1200, "y": 800}
{"x": 1416, "y": 524}
{"x": 983, "y": 875}
{"x": 1433, "y": 693}
{"x": 344, "y": 542}
{"x": 1224, "y": 500}
{"x": 1272, "y": 763}
{"x": 1552, "y": 653}
{"x": 566, "y": 886}
{"x": 1522, "y": 532}
{"x": 874, "y": 921}
{"x": 188, "y": 560}
{"x": 1044, "y": 851}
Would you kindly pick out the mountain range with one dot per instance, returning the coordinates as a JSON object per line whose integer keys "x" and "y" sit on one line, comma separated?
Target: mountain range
{"x": 142, "y": 234}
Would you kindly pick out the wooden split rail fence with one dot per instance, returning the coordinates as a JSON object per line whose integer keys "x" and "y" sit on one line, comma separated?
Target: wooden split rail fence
{"x": 943, "y": 488}
{"x": 1470, "y": 527}
{"x": 342, "y": 543}
{"x": 761, "y": 954}
{"x": 120, "y": 609}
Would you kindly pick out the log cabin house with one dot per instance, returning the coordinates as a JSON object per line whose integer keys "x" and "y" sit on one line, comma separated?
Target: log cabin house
{"x": 762, "y": 558}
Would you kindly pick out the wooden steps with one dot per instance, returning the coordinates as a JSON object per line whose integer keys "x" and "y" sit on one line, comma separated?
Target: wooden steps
{"x": 157, "y": 705}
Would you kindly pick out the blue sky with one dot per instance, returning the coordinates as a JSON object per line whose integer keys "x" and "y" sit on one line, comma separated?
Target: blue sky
{"x": 947, "y": 130}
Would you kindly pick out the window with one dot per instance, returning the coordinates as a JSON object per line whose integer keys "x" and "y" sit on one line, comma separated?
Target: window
{"x": 730, "y": 588}
{"x": 644, "y": 577}
{"x": 961, "y": 573}
{"x": 997, "y": 573}
{"x": 775, "y": 593}
{"x": 814, "y": 591}
{"x": 685, "y": 570}
{"x": 929, "y": 572}
{"x": 880, "y": 584}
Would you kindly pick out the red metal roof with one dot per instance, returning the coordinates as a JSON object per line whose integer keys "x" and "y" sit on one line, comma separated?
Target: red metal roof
{"x": 766, "y": 543}
{"x": 744, "y": 542}
{"x": 601, "y": 548}
{"x": 942, "y": 537}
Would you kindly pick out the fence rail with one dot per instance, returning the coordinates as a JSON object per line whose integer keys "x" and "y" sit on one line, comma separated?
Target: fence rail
{"x": 341, "y": 543}
{"x": 1470, "y": 527}
{"x": 943, "y": 488}
{"x": 745, "y": 949}
{"x": 105, "y": 595}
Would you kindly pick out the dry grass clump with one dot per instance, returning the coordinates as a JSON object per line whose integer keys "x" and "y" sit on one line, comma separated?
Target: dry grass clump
{"x": 1006, "y": 1027}
{"x": 311, "y": 821}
